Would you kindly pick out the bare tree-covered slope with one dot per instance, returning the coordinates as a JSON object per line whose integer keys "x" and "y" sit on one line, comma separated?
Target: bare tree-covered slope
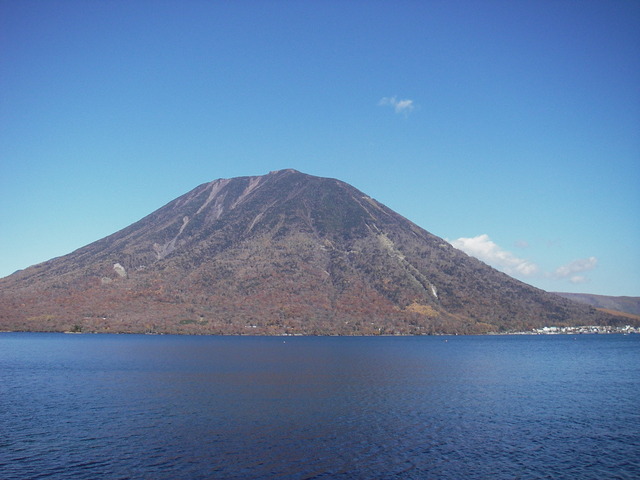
{"x": 283, "y": 253}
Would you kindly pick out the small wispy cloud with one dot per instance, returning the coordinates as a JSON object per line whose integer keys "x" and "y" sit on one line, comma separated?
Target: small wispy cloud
{"x": 577, "y": 279}
{"x": 485, "y": 249}
{"x": 572, "y": 270}
{"x": 399, "y": 106}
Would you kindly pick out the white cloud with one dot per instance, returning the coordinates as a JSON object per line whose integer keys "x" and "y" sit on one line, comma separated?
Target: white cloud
{"x": 579, "y": 279}
{"x": 399, "y": 106}
{"x": 483, "y": 248}
{"x": 577, "y": 266}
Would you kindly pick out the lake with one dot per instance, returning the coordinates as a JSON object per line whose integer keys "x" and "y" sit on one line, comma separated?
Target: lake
{"x": 446, "y": 407}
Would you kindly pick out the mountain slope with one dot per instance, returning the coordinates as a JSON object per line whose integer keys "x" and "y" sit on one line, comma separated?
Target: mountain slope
{"x": 621, "y": 304}
{"x": 280, "y": 253}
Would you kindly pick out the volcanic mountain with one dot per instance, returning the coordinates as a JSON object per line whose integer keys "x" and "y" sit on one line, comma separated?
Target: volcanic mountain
{"x": 283, "y": 253}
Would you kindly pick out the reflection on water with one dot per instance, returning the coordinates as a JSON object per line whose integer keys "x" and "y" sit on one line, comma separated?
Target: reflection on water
{"x": 109, "y": 406}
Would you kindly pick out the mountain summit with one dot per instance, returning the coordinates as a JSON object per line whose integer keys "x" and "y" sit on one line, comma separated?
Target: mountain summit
{"x": 283, "y": 253}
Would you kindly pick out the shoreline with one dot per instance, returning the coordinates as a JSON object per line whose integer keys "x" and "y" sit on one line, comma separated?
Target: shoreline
{"x": 553, "y": 330}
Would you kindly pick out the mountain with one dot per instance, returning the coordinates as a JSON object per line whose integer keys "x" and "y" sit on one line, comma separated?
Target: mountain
{"x": 629, "y": 305}
{"x": 280, "y": 253}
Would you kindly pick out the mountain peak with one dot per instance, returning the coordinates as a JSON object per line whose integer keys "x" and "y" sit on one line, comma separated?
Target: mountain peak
{"x": 284, "y": 171}
{"x": 279, "y": 253}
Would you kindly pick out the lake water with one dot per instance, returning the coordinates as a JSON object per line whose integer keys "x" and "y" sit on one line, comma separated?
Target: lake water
{"x": 178, "y": 407}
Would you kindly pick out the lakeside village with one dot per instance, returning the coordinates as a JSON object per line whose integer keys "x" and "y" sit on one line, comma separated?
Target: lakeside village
{"x": 584, "y": 329}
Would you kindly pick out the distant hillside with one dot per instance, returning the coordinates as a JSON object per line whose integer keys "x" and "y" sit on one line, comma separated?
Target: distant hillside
{"x": 620, "y": 304}
{"x": 283, "y": 253}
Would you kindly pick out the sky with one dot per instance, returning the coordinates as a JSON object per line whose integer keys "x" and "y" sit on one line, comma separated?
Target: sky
{"x": 509, "y": 128}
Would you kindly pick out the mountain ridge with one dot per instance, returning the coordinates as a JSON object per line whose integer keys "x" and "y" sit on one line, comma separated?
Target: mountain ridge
{"x": 618, "y": 303}
{"x": 282, "y": 253}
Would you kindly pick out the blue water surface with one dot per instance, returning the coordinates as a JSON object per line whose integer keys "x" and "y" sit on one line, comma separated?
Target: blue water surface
{"x": 183, "y": 407}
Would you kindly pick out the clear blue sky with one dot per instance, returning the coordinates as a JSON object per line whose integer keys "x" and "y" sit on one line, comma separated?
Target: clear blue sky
{"x": 510, "y": 128}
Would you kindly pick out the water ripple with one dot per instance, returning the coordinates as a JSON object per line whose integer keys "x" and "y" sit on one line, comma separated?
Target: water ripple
{"x": 135, "y": 407}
